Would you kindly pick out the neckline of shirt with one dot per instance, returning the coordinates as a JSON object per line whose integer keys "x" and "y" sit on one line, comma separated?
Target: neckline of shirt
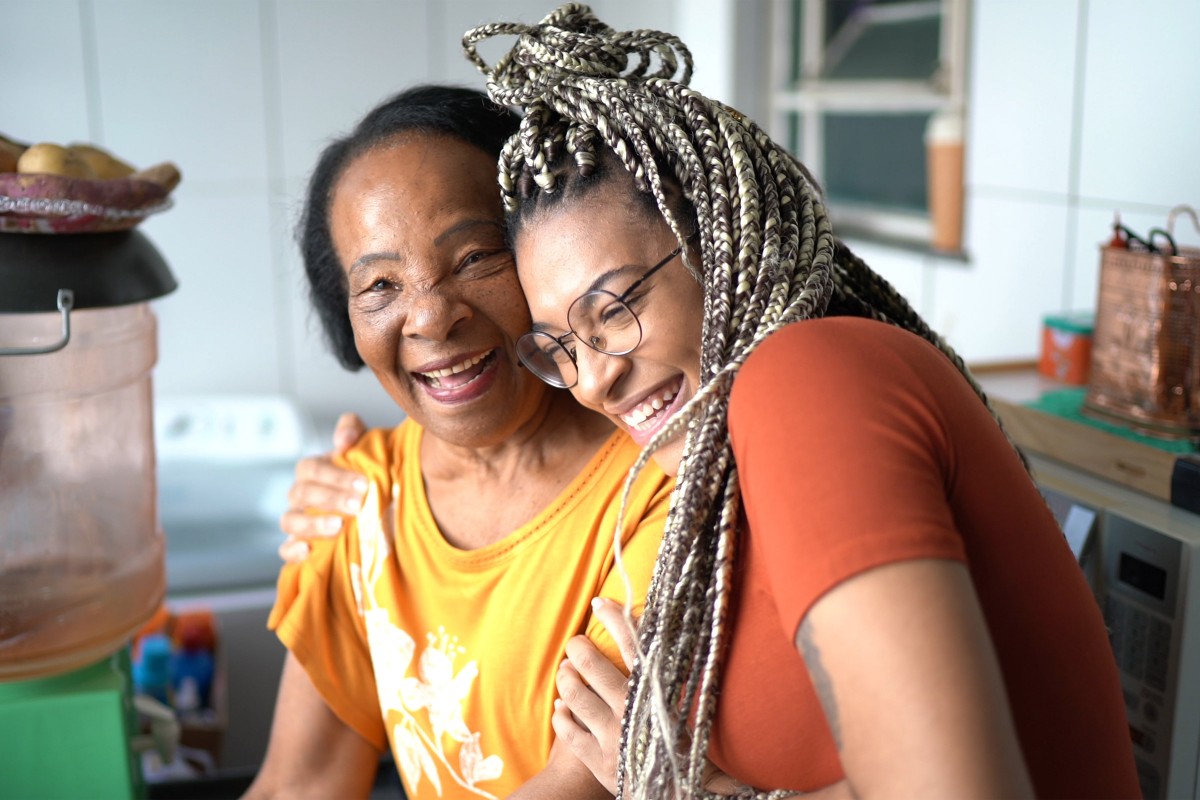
{"x": 542, "y": 523}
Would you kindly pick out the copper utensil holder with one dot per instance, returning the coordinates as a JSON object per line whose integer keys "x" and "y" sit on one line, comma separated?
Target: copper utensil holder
{"x": 1146, "y": 346}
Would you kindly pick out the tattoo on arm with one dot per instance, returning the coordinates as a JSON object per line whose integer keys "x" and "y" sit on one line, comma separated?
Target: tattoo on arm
{"x": 820, "y": 678}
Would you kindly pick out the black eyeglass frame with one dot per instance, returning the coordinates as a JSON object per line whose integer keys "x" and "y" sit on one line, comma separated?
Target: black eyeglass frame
{"x": 558, "y": 340}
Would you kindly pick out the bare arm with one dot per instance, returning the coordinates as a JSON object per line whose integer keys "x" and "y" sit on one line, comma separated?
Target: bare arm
{"x": 902, "y": 661}
{"x": 564, "y": 778}
{"x": 312, "y": 753}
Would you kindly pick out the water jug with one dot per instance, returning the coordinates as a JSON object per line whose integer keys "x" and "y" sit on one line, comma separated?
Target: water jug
{"x": 81, "y": 549}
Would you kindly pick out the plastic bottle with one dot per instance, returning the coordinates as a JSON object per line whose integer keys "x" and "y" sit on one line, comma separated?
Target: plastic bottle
{"x": 193, "y": 664}
{"x": 1118, "y": 239}
{"x": 152, "y": 669}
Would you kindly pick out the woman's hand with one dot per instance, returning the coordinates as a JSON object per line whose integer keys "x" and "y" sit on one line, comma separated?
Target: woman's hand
{"x": 588, "y": 717}
{"x": 593, "y": 691}
{"x": 322, "y": 486}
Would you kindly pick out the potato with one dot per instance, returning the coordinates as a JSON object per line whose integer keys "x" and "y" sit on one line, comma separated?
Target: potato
{"x": 105, "y": 165}
{"x": 165, "y": 175}
{"x": 47, "y": 158}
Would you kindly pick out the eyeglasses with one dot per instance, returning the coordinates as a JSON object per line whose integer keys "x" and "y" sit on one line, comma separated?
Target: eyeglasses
{"x": 600, "y": 319}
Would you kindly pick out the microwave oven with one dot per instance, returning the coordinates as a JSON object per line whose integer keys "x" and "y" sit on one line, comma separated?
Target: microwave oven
{"x": 1142, "y": 557}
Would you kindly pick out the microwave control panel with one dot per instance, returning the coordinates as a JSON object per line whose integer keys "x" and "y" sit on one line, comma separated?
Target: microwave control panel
{"x": 1142, "y": 558}
{"x": 1142, "y": 570}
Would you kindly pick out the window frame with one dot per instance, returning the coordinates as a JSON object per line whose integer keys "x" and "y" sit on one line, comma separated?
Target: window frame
{"x": 811, "y": 97}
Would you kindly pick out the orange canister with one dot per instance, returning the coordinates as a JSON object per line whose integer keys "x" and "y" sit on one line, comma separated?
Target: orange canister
{"x": 1067, "y": 347}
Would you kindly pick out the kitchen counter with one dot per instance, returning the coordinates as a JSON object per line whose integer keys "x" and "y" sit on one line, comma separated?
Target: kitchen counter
{"x": 1127, "y": 460}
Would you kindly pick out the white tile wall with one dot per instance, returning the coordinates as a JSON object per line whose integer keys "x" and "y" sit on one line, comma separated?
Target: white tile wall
{"x": 990, "y": 309}
{"x": 219, "y": 331}
{"x": 335, "y": 61}
{"x": 39, "y": 42}
{"x": 1022, "y": 82}
{"x": 1141, "y": 115}
{"x": 183, "y": 81}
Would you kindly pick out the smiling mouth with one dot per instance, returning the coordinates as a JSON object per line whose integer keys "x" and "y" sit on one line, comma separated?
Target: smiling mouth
{"x": 647, "y": 414}
{"x": 459, "y": 375}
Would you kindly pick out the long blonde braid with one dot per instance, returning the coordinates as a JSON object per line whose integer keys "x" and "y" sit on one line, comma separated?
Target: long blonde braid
{"x": 768, "y": 258}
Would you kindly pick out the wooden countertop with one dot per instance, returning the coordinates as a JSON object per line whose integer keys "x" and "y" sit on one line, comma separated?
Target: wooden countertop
{"x": 1124, "y": 461}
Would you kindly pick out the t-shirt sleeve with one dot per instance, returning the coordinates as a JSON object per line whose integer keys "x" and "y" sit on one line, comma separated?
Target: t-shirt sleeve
{"x": 316, "y": 617}
{"x": 842, "y": 457}
{"x": 639, "y": 551}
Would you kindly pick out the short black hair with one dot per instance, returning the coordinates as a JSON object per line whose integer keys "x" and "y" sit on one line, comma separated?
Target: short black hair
{"x": 465, "y": 114}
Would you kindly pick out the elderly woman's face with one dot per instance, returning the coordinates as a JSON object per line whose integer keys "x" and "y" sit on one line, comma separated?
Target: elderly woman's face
{"x": 608, "y": 241}
{"x": 433, "y": 294}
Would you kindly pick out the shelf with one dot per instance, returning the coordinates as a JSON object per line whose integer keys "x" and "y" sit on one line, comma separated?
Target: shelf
{"x": 1129, "y": 462}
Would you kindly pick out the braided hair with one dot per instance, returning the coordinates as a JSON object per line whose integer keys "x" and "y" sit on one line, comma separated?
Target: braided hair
{"x": 599, "y": 101}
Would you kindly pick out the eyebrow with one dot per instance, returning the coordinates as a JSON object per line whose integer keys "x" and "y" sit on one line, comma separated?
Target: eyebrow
{"x": 465, "y": 225}
{"x": 601, "y": 279}
{"x": 371, "y": 258}
{"x": 453, "y": 230}
{"x": 605, "y": 277}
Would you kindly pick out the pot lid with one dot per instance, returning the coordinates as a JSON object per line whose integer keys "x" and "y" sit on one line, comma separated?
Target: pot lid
{"x": 100, "y": 269}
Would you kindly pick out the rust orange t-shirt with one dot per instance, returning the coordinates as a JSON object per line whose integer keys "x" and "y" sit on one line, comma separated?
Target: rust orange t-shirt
{"x": 859, "y": 444}
{"x": 448, "y": 656}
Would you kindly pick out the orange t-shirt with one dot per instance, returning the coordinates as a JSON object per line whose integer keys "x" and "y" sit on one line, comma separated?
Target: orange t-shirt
{"x": 859, "y": 444}
{"x": 448, "y": 656}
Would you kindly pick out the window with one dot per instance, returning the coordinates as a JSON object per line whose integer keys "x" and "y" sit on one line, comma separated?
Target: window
{"x": 856, "y": 85}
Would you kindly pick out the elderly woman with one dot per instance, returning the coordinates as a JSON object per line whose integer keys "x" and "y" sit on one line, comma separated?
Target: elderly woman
{"x": 860, "y": 590}
{"x": 435, "y": 623}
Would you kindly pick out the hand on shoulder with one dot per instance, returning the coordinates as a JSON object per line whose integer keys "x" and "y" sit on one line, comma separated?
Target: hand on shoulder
{"x": 323, "y": 494}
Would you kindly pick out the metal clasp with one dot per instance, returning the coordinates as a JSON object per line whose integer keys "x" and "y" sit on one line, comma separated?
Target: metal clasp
{"x": 66, "y": 301}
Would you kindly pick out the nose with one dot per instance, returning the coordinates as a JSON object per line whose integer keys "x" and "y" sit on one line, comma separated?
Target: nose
{"x": 598, "y": 374}
{"x": 434, "y": 312}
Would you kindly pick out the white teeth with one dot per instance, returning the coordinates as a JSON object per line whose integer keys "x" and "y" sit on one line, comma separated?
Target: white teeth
{"x": 465, "y": 365}
{"x": 648, "y": 409}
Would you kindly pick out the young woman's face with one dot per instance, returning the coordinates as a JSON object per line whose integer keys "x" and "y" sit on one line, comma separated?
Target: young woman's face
{"x": 608, "y": 241}
{"x": 433, "y": 294}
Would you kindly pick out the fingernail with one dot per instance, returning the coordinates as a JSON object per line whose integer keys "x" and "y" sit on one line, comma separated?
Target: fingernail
{"x": 360, "y": 485}
{"x": 294, "y": 551}
{"x": 558, "y": 704}
{"x": 329, "y": 524}
{"x": 353, "y": 505}
{"x": 564, "y": 663}
{"x": 596, "y": 603}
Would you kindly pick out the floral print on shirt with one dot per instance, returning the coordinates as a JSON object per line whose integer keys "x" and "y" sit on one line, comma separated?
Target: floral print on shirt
{"x": 429, "y": 703}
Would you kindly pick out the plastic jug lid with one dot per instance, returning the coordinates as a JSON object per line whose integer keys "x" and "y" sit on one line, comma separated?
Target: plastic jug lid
{"x": 102, "y": 269}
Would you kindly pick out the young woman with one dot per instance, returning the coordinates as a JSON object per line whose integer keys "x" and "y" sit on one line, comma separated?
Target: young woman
{"x": 860, "y": 589}
{"x": 433, "y": 626}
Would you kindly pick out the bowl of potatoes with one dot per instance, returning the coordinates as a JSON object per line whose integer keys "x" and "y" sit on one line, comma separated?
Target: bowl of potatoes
{"x": 48, "y": 187}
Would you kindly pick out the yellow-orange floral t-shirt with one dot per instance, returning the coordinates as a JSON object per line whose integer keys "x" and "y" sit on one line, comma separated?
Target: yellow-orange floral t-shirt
{"x": 448, "y": 656}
